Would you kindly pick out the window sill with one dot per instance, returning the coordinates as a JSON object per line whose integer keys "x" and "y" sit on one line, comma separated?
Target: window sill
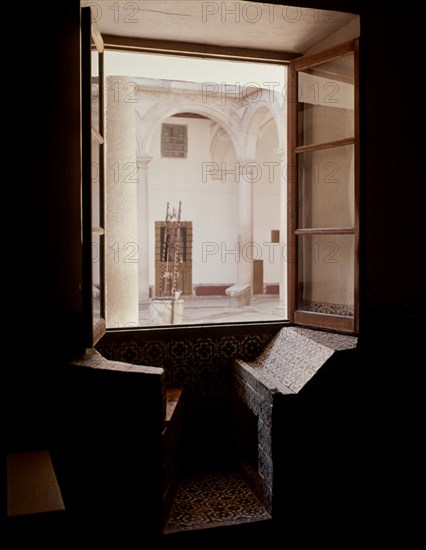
{"x": 177, "y": 331}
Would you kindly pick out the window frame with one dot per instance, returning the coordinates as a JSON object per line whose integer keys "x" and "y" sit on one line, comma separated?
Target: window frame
{"x": 294, "y": 62}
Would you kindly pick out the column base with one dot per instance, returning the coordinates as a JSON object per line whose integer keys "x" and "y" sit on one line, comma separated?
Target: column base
{"x": 240, "y": 295}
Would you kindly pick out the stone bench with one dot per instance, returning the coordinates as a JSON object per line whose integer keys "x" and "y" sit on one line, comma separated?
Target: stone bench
{"x": 291, "y": 360}
{"x": 240, "y": 295}
{"x": 293, "y": 357}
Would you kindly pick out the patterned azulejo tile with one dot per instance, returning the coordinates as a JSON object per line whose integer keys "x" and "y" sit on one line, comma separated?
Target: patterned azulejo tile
{"x": 213, "y": 500}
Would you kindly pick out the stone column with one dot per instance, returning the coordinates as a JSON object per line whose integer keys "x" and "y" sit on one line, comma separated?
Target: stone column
{"x": 121, "y": 224}
{"x": 284, "y": 253}
{"x": 245, "y": 223}
{"x": 241, "y": 292}
{"x": 143, "y": 227}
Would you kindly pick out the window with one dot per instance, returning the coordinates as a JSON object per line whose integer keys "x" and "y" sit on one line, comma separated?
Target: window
{"x": 174, "y": 140}
{"x": 306, "y": 257}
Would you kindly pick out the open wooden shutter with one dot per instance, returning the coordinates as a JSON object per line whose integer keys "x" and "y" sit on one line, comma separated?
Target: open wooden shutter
{"x": 323, "y": 176}
{"x": 93, "y": 171}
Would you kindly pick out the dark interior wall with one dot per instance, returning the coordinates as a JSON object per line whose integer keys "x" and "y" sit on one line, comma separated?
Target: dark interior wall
{"x": 394, "y": 238}
{"x": 49, "y": 299}
{"x": 43, "y": 264}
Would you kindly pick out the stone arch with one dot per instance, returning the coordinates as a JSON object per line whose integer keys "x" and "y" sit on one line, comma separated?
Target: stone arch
{"x": 220, "y": 150}
{"x": 256, "y": 116}
{"x": 161, "y": 112}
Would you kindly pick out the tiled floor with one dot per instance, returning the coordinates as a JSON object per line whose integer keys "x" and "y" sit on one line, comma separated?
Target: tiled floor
{"x": 217, "y": 309}
{"x": 214, "y": 500}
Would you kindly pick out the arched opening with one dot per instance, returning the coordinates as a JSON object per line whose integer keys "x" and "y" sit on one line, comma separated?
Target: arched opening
{"x": 186, "y": 170}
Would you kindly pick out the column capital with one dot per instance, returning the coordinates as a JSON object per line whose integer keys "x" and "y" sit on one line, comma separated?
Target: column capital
{"x": 142, "y": 162}
{"x": 245, "y": 166}
{"x": 244, "y": 162}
